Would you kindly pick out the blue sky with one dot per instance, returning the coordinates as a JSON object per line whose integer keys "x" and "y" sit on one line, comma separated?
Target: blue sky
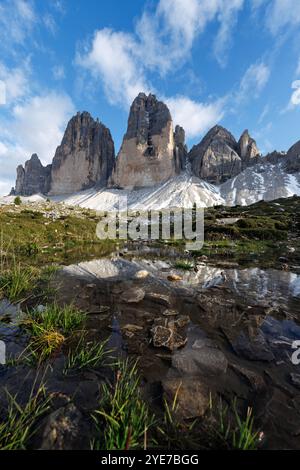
{"x": 233, "y": 62}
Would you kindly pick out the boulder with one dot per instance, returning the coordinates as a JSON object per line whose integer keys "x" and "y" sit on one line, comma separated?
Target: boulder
{"x": 192, "y": 396}
{"x": 62, "y": 429}
{"x": 169, "y": 333}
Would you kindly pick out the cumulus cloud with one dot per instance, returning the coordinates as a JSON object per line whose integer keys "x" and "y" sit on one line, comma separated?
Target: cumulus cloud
{"x": 112, "y": 58}
{"x": 16, "y": 81}
{"x": 162, "y": 41}
{"x": 253, "y": 81}
{"x": 34, "y": 126}
{"x": 196, "y": 118}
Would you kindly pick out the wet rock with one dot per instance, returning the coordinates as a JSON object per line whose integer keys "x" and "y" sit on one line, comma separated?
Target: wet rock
{"x": 158, "y": 298}
{"x": 203, "y": 358}
{"x": 169, "y": 333}
{"x": 295, "y": 379}
{"x": 62, "y": 430}
{"x": 141, "y": 274}
{"x": 133, "y": 295}
{"x": 192, "y": 396}
{"x": 253, "y": 379}
{"x": 255, "y": 348}
{"x": 170, "y": 313}
{"x": 130, "y": 330}
{"x": 174, "y": 277}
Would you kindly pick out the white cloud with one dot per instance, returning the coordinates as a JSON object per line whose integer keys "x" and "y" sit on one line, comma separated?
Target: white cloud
{"x": 58, "y": 72}
{"x": 17, "y": 18}
{"x": 227, "y": 17}
{"x": 295, "y": 98}
{"x": 162, "y": 41}
{"x": 298, "y": 68}
{"x": 196, "y": 118}
{"x": 35, "y": 126}
{"x": 16, "y": 81}
{"x": 50, "y": 23}
{"x": 39, "y": 123}
{"x": 281, "y": 14}
{"x": 2, "y": 93}
{"x": 253, "y": 81}
{"x": 112, "y": 58}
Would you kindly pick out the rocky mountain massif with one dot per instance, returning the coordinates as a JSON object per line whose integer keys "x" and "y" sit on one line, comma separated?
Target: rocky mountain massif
{"x": 155, "y": 163}
{"x": 84, "y": 159}
{"x": 151, "y": 151}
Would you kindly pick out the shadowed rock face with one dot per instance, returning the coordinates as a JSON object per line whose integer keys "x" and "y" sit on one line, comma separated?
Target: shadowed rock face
{"x": 148, "y": 154}
{"x": 218, "y": 157}
{"x": 85, "y": 157}
{"x": 293, "y": 158}
{"x": 33, "y": 178}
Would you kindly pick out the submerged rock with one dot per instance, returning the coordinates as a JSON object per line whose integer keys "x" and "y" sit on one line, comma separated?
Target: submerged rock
{"x": 203, "y": 358}
{"x": 133, "y": 295}
{"x": 169, "y": 333}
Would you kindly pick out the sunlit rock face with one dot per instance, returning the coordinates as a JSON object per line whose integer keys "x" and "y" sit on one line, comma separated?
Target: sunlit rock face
{"x": 33, "y": 178}
{"x": 85, "y": 157}
{"x": 148, "y": 154}
{"x": 247, "y": 149}
{"x": 216, "y": 157}
{"x": 219, "y": 157}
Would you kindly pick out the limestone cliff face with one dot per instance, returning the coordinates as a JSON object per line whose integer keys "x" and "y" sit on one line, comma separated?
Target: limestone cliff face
{"x": 293, "y": 158}
{"x": 33, "y": 178}
{"x": 247, "y": 149}
{"x": 216, "y": 158}
{"x": 219, "y": 157}
{"x": 85, "y": 157}
{"x": 148, "y": 154}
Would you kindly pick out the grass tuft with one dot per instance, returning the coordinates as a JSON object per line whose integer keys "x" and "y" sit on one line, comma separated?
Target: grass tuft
{"x": 90, "y": 354}
{"x": 122, "y": 413}
{"x": 49, "y": 329}
{"x": 20, "y": 421}
{"x": 184, "y": 264}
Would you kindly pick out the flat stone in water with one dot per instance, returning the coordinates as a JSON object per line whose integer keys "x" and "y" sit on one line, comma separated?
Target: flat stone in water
{"x": 133, "y": 295}
{"x": 161, "y": 299}
{"x": 203, "y": 358}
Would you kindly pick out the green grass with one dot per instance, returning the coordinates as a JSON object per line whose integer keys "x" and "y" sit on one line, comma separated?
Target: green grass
{"x": 15, "y": 283}
{"x": 90, "y": 354}
{"x": 174, "y": 433}
{"x": 20, "y": 422}
{"x": 48, "y": 330}
{"x": 184, "y": 264}
{"x": 27, "y": 233}
{"x": 122, "y": 420}
{"x": 237, "y": 431}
